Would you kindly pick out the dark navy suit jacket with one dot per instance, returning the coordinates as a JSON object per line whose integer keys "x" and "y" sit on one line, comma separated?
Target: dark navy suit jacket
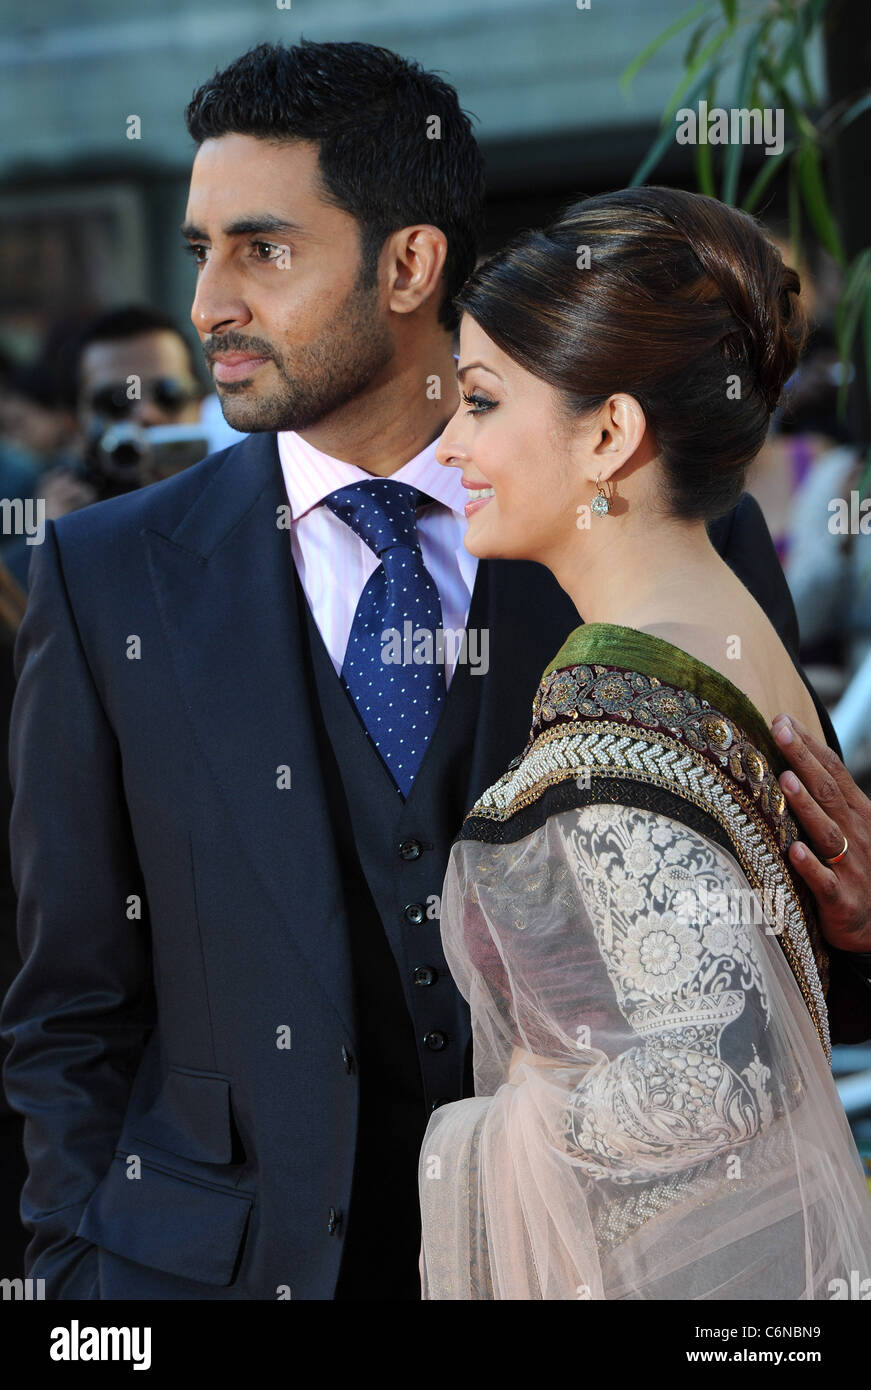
{"x": 178, "y": 907}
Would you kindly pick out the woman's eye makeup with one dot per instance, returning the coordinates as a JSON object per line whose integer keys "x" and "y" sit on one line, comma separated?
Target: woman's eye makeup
{"x": 480, "y": 403}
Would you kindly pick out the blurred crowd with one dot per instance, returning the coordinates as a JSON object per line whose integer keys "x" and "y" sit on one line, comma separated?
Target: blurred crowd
{"x": 804, "y": 479}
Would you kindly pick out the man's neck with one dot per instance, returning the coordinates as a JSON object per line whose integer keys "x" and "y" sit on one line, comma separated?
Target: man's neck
{"x": 394, "y": 420}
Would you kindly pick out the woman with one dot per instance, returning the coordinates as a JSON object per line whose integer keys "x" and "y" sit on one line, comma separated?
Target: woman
{"x": 654, "y": 1115}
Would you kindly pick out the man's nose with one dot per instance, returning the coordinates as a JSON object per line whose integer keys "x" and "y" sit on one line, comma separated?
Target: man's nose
{"x": 216, "y": 306}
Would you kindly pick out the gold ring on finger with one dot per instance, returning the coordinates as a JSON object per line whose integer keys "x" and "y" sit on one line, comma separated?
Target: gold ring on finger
{"x": 838, "y": 857}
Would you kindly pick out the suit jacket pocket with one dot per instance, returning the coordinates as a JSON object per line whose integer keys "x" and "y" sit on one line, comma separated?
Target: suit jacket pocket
{"x": 168, "y": 1221}
{"x": 191, "y": 1117}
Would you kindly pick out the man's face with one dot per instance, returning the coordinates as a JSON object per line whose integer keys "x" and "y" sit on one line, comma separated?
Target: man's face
{"x": 168, "y": 391}
{"x": 288, "y": 331}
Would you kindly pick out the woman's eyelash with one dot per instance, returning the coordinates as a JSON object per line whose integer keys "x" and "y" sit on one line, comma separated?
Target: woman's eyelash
{"x": 480, "y": 402}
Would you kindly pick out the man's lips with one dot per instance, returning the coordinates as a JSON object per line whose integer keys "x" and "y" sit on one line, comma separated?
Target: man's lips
{"x": 235, "y": 366}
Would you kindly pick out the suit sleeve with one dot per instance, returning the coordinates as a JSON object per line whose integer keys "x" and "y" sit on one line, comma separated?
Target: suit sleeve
{"x": 79, "y": 1011}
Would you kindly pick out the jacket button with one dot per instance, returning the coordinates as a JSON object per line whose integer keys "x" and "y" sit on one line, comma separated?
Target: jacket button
{"x": 425, "y": 975}
{"x": 348, "y": 1060}
{"x": 415, "y": 913}
{"x": 435, "y": 1041}
{"x": 334, "y": 1221}
{"x": 410, "y": 849}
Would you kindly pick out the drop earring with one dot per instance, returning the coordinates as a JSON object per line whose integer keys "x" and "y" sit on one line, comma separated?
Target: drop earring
{"x": 601, "y": 504}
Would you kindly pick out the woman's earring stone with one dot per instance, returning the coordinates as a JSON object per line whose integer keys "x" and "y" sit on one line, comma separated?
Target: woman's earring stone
{"x": 600, "y": 504}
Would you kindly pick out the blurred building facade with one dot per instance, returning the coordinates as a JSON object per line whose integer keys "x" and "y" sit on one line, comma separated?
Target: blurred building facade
{"x": 89, "y": 217}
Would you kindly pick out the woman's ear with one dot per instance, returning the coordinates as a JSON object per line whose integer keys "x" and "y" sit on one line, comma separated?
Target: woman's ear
{"x": 618, "y": 430}
{"x": 621, "y": 430}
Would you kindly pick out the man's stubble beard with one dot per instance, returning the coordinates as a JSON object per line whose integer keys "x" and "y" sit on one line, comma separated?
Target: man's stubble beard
{"x": 327, "y": 373}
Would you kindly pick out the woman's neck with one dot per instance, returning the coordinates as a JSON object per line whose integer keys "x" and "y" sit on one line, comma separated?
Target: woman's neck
{"x": 638, "y": 577}
{"x": 670, "y": 581}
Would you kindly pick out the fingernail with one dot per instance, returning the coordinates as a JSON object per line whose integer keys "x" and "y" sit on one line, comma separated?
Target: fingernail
{"x": 783, "y": 731}
{"x": 799, "y": 852}
{"x": 790, "y": 782}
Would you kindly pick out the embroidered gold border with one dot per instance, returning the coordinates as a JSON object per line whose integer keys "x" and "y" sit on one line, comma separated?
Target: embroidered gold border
{"x": 794, "y": 940}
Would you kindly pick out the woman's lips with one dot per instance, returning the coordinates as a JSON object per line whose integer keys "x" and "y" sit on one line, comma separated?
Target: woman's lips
{"x": 235, "y": 367}
{"x": 475, "y": 506}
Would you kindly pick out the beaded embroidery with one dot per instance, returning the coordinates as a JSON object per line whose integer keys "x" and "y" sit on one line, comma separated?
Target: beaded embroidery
{"x": 608, "y": 722}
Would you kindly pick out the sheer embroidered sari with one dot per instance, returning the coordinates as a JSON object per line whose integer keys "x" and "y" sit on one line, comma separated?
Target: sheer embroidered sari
{"x": 654, "y": 1114}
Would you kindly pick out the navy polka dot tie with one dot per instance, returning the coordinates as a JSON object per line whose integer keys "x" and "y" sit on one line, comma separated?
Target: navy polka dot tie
{"x": 399, "y": 700}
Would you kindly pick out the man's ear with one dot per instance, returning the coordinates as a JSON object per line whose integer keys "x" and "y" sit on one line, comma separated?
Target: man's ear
{"x": 415, "y": 258}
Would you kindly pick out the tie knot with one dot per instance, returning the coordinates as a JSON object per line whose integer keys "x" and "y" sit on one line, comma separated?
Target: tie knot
{"x": 381, "y": 512}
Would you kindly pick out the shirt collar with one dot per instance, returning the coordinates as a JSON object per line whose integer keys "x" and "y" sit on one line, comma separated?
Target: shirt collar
{"x": 310, "y": 475}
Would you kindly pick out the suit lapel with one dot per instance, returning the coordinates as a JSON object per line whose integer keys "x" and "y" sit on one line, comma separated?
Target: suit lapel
{"x": 224, "y": 586}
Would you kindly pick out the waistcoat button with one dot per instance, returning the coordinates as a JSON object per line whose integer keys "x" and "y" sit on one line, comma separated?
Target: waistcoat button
{"x": 425, "y": 975}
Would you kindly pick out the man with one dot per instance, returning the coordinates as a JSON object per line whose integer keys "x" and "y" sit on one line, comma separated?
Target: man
{"x": 132, "y": 364}
{"x": 234, "y": 1014}
{"x": 136, "y": 341}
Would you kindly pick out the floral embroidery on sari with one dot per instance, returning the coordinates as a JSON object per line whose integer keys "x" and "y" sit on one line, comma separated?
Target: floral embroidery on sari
{"x": 604, "y": 726}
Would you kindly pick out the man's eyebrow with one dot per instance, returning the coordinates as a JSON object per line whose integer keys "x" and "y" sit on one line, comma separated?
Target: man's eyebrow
{"x": 469, "y": 365}
{"x": 265, "y": 222}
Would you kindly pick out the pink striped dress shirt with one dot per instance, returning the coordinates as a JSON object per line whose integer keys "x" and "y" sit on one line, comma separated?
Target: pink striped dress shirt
{"x": 334, "y": 564}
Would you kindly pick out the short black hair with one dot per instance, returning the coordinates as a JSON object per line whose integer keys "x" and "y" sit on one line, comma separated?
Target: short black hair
{"x": 131, "y": 321}
{"x": 371, "y": 113}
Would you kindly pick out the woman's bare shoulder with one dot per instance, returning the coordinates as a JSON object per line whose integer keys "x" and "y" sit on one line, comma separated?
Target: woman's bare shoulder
{"x": 753, "y": 658}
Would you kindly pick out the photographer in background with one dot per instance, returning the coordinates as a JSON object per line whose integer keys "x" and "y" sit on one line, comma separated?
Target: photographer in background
{"x": 138, "y": 403}
{"x": 134, "y": 371}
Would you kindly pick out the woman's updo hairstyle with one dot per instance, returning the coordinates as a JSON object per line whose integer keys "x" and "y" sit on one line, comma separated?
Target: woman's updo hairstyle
{"x": 682, "y": 294}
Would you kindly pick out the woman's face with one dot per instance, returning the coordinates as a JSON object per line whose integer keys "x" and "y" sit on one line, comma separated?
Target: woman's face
{"x": 508, "y": 436}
